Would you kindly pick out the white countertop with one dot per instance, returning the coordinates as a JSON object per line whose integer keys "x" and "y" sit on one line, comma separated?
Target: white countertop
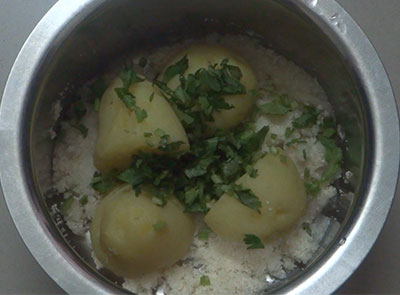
{"x": 378, "y": 274}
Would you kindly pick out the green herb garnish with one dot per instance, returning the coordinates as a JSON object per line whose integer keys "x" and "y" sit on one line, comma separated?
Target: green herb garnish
{"x": 129, "y": 77}
{"x": 306, "y": 227}
{"x": 141, "y": 114}
{"x": 177, "y": 69}
{"x": 246, "y": 197}
{"x": 333, "y": 154}
{"x": 308, "y": 118}
{"x": 66, "y": 205}
{"x": 253, "y": 242}
{"x": 128, "y": 98}
{"x": 280, "y": 106}
{"x": 102, "y": 184}
{"x": 151, "y": 97}
{"x": 204, "y": 234}
{"x": 199, "y": 95}
{"x": 83, "y": 201}
{"x": 313, "y": 187}
{"x": 304, "y": 155}
{"x": 205, "y": 281}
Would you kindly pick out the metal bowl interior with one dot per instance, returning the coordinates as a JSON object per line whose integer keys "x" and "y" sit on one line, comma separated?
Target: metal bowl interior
{"x": 77, "y": 40}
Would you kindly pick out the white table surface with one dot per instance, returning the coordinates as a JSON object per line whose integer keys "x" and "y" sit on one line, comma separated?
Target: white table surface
{"x": 378, "y": 274}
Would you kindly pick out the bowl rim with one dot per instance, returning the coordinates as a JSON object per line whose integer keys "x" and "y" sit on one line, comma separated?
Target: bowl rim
{"x": 324, "y": 277}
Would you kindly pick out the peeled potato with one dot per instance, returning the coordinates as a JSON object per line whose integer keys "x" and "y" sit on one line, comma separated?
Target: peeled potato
{"x": 281, "y": 192}
{"x": 120, "y": 135}
{"x": 202, "y": 56}
{"x": 132, "y": 236}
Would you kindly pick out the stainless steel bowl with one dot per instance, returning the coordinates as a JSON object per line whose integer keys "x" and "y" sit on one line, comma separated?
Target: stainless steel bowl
{"x": 77, "y": 39}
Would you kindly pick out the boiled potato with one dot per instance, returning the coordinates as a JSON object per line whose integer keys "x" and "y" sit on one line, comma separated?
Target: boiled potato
{"x": 132, "y": 236}
{"x": 281, "y": 192}
{"x": 202, "y": 56}
{"x": 120, "y": 135}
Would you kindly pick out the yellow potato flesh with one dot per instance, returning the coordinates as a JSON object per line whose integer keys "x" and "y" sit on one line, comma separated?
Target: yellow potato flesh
{"x": 120, "y": 135}
{"x": 281, "y": 192}
{"x": 202, "y": 56}
{"x": 131, "y": 235}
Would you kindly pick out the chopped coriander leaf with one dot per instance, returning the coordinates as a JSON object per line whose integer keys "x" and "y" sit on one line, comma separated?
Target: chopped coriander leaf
{"x": 253, "y": 242}
{"x": 205, "y": 281}
{"x": 273, "y": 108}
{"x": 251, "y": 171}
{"x": 151, "y": 97}
{"x": 129, "y": 77}
{"x": 334, "y": 158}
{"x": 306, "y": 173}
{"x": 159, "y": 226}
{"x": 132, "y": 176}
{"x": 128, "y": 99}
{"x": 177, "y": 69}
{"x": 141, "y": 114}
{"x": 199, "y": 168}
{"x": 231, "y": 168}
{"x": 163, "y": 87}
{"x": 329, "y": 132}
{"x": 200, "y": 95}
{"x": 216, "y": 179}
{"x": 280, "y": 106}
{"x": 246, "y": 197}
{"x": 304, "y": 155}
{"x": 253, "y": 142}
{"x": 81, "y": 128}
{"x": 160, "y": 177}
{"x": 208, "y": 81}
{"x": 160, "y": 132}
{"x": 148, "y": 134}
{"x": 192, "y": 194}
{"x": 333, "y": 155}
{"x": 171, "y": 147}
{"x": 234, "y": 71}
{"x": 273, "y": 136}
{"x": 306, "y": 227}
{"x": 313, "y": 187}
{"x": 66, "y": 205}
{"x": 181, "y": 96}
{"x": 102, "y": 184}
{"x": 184, "y": 117}
{"x": 83, "y": 200}
{"x": 308, "y": 118}
{"x": 197, "y": 208}
{"x": 204, "y": 234}
{"x": 328, "y": 123}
